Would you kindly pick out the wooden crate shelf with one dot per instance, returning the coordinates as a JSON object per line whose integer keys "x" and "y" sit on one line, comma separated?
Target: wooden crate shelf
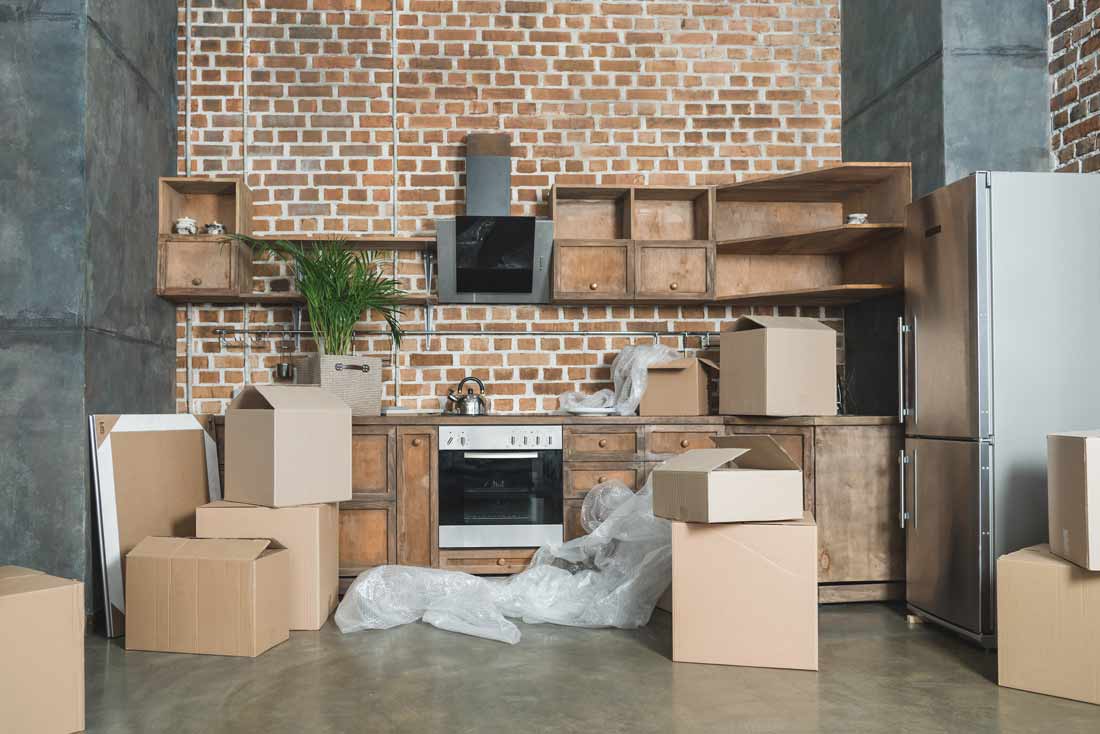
{"x": 836, "y": 295}
{"x": 829, "y": 241}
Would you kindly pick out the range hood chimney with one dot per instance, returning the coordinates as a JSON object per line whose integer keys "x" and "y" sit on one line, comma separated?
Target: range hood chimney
{"x": 488, "y": 175}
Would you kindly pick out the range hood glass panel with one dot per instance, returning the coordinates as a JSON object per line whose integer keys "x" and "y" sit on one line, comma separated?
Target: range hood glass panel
{"x": 494, "y": 254}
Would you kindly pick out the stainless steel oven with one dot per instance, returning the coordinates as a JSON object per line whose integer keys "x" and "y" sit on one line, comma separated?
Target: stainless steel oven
{"x": 500, "y": 486}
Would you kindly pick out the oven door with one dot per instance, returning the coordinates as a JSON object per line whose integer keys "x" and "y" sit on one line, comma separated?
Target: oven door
{"x": 499, "y": 499}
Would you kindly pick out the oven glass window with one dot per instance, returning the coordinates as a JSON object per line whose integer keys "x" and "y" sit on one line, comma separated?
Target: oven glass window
{"x": 494, "y": 254}
{"x": 500, "y": 490}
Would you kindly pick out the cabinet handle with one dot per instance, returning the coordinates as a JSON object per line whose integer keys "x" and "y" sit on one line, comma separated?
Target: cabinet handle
{"x": 673, "y": 286}
{"x": 196, "y": 281}
{"x": 417, "y": 442}
{"x": 684, "y": 444}
{"x": 593, "y": 286}
{"x": 502, "y": 562}
{"x": 602, "y": 443}
{"x": 601, "y": 480}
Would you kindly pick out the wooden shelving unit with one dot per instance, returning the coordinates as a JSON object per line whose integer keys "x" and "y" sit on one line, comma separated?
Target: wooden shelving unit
{"x": 783, "y": 240}
{"x": 363, "y": 242}
{"x": 272, "y": 299}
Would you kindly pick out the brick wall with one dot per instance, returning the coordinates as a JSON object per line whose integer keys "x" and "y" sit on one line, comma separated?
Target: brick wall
{"x": 300, "y": 96}
{"x": 1075, "y": 104}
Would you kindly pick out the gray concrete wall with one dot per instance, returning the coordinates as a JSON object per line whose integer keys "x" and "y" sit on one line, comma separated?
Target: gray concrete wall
{"x": 89, "y": 123}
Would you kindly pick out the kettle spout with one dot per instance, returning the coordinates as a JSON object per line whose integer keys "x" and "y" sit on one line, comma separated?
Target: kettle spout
{"x": 451, "y": 397}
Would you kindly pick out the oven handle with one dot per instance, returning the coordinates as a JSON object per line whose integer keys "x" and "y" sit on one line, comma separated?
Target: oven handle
{"x": 500, "y": 455}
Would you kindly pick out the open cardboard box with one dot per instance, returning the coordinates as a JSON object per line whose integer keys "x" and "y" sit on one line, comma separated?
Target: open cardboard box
{"x": 1073, "y": 497}
{"x": 678, "y": 387}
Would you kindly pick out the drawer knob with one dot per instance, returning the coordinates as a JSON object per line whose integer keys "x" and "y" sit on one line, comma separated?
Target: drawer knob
{"x": 602, "y": 443}
{"x": 684, "y": 444}
{"x": 417, "y": 442}
{"x": 673, "y": 286}
{"x": 196, "y": 281}
{"x": 593, "y": 286}
{"x": 502, "y": 562}
{"x": 601, "y": 480}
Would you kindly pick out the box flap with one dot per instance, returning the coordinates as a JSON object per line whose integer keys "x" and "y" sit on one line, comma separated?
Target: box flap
{"x": 1093, "y": 433}
{"x": 221, "y": 549}
{"x": 762, "y": 452}
{"x": 675, "y": 364}
{"x": 709, "y": 364}
{"x": 702, "y": 460}
{"x": 1036, "y": 554}
{"x": 801, "y": 323}
{"x": 291, "y": 398}
{"x": 18, "y": 580}
{"x": 14, "y": 572}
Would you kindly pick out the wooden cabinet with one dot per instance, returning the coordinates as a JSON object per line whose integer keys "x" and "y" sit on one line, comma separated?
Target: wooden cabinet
{"x": 373, "y": 460}
{"x": 663, "y": 442}
{"x": 202, "y": 265}
{"x": 600, "y": 443}
{"x": 593, "y": 270}
{"x": 367, "y": 536}
{"x": 674, "y": 270}
{"x": 486, "y": 561}
{"x": 579, "y": 477}
{"x": 417, "y": 502}
{"x": 571, "y": 519}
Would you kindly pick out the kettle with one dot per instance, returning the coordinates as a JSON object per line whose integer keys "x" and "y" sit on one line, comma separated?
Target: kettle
{"x": 471, "y": 403}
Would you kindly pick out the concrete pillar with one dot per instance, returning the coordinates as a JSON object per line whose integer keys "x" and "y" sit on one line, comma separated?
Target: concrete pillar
{"x": 952, "y": 85}
{"x": 88, "y": 122}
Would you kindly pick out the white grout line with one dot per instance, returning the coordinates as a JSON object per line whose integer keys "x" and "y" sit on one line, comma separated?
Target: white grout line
{"x": 187, "y": 96}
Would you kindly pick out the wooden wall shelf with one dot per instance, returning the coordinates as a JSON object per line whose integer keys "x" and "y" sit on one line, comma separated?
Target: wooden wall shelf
{"x": 830, "y": 241}
{"x": 272, "y": 299}
{"x": 363, "y": 242}
{"x": 839, "y": 295}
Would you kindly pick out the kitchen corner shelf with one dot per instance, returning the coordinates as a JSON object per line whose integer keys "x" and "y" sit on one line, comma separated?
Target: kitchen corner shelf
{"x": 839, "y": 295}
{"x": 828, "y": 241}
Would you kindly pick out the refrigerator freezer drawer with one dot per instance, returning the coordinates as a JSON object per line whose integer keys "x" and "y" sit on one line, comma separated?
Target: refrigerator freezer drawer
{"x": 946, "y": 512}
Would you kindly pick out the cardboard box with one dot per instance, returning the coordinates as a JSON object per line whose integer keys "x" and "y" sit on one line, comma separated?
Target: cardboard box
{"x": 42, "y": 652}
{"x": 678, "y": 387}
{"x": 1048, "y": 611}
{"x": 310, "y": 533}
{"x": 1073, "y": 497}
{"x": 150, "y": 472}
{"x": 746, "y": 479}
{"x": 746, "y": 594}
{"x": 216, "y": 597}
{"x": 777, "y": 365}
{"x": 287, "y": 445}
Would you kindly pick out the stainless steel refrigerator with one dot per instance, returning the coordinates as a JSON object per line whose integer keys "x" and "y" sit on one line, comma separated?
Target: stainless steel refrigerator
{"x": 999, "y": 346}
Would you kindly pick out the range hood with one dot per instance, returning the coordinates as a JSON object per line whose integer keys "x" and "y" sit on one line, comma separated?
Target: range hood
{"x": 487, "y": 255}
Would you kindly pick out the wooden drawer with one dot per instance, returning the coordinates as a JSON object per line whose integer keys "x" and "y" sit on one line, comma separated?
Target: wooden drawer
{"x": 572, "y": 519}
{"x": 202, "y": 265}
{"x": 373, "y": 456}
{"x": 367, "y": 536}
{"x": 593, "y": 270}
{"x": 486, "y": 561}
{"x": 661, "y": 444}
{"x": 581, "y": 477}
{"x": 596, "y": 443}
{"x": 674, "y": 271}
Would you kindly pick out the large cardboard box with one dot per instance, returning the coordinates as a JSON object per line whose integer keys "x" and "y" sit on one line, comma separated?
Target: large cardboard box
{"x": 41, "y": 652}
{"x": 777, "y": 365}
{"x": 216, "y": 597}
{"x": 746, "y": 479}
{"x": 1073, "y": 497}
{"x": 310, "y": 533}
{"x": 678, "y": 387}
{"x": 746, "y": 594}
{"x": 1048, "y": 613}
{"x": 287, "y": 445}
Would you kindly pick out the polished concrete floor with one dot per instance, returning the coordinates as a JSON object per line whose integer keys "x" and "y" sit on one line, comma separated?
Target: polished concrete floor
{"x": 877, "y": 675}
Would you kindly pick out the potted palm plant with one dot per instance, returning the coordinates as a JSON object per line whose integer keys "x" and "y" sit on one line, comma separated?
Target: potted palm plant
{"x": 339, "y": 284}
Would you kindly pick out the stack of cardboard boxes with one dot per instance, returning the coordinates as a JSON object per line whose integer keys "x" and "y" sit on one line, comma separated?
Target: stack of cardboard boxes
{"x": 1048, "y": 596}
{"x": 744, "y": 556}
{"x": 265, "y": 560}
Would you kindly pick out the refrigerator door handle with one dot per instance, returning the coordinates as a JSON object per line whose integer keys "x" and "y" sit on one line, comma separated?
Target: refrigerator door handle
{"x": 902, "y": 461}
{"x": 916, "y": 490}
{"x": 903, "y": 329}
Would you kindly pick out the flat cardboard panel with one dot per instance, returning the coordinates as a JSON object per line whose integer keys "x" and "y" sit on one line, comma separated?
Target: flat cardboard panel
{"x": 1047, "y": 612}
{"x": 678, "y": 387}
{"x": 310, "y": 534}
{"x": 746, "y": 594}
{"x": 778, "y": 366}
{"x": 1073, "y": 497}
{"x": 287, "y": 445}
{"x": 726, "y": 485}
{"x": 42, "y": 649}
{"x": 209, "y": 596}
{"x": 150, "y": 473}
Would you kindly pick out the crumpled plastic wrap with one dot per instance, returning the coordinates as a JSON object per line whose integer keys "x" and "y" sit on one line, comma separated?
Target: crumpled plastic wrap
{"x": 601, "y": 501}
{"x": 612, "y": 577}
{"x": 629, "y": 373}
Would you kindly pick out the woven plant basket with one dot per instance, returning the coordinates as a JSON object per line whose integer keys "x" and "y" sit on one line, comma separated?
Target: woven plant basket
{"x": 355, "y": 380}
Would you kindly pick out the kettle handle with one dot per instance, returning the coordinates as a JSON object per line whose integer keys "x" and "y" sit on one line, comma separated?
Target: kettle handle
{"x": 471, "y": 378}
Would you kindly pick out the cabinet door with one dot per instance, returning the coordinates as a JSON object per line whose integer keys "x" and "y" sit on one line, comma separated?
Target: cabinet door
{"x": 798, "y": 442}
{"x": 572, "y": 519}
{"x": 200, "y": 265}
{"x": 859, "y": 537}
{"x": 674, "y": 271}
{"x": 417, "y": 503}
{"x": 373, "y": 456}
{"x": 366, "y": 536}
{"x": 593, "y": 270}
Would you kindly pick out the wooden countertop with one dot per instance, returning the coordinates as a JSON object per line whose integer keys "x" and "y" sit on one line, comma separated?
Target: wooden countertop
{"x": 629, "y": 420}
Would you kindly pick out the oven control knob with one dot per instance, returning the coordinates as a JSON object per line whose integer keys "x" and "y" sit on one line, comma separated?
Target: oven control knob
{"x": 462, "y": 440}
{"x": 450, "y": 440}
